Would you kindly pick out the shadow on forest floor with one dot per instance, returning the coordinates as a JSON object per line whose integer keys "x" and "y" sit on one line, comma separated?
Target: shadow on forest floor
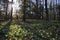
{"x": 4, "y": 31}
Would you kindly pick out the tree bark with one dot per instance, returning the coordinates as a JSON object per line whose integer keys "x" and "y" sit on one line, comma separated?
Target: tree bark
{"x": 46, "y": 10}
{"x": 6, "y": 9}
{"x": 24, "y": 10}
{"x": 38, "y": 14}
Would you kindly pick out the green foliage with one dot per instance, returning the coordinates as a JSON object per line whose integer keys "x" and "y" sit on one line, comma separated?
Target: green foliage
{"x": 2, "y": 24}
{"x": 34, "y": 30}
{"x": 16, "y": 32}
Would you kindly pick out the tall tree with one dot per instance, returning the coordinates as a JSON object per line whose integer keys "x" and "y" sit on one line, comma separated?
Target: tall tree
{"x": 46, "y": 10}
{"x": 11, "y": 9}
{"x": 58, "y": 7}
{"x": 6, "y": 8}
{"x": 51, "y": 9}
{"x": 24, "y": 2}
{"x": 54, "y": 10}
{"x": 37, "y": 10}
{"x": 42, "y": 8}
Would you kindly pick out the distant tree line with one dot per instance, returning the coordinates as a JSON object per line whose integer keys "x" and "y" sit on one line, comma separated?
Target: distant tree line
{"x": 36, "y": 10}
{"x": 39, "y": 11}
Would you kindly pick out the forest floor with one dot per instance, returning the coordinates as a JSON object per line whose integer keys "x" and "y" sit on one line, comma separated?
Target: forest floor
{"x": 30, "y": 30}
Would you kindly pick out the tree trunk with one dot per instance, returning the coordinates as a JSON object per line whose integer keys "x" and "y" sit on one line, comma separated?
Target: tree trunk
{"x": 46, "y": 10}
{"x": 6, "y": 10}
{"x": 59, "y": 15}
{"x": 24, "y": 10}
{"x": 38, "y": 14}
{"x": 56, "y": 10}
{"x": 11, "y": 10}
